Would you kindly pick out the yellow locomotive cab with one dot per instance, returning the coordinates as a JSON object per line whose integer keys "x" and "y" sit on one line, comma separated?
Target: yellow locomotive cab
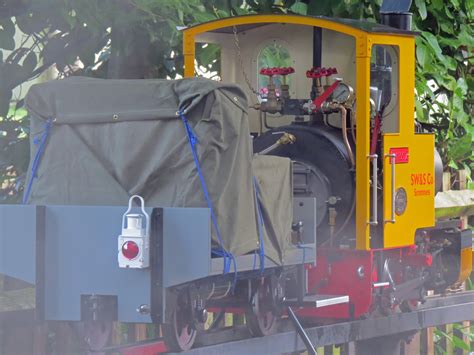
{"x": 407, "y": 159}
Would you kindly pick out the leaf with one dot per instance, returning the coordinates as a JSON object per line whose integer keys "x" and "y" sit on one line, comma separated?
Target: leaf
{"x": 299, "y": 8}
{"x": 461, "y": 148}
{"x": 5, "y": 97}
{"x": 455, "y": 3}
{"x": 202, "y": 17}
{"x": 54, "y": 49}
{"x": 447, "y": 27}
{"x": 7, "y": 34}
{"x": 8, "y": 26}
{"x": 462, "y": 85}
{"x": 448, "y": 12}
{"x": 422, "y": 54}
{"x": 434, "y": 45}
{"x": 6, "y": 41}
{"x": 453, "y": 165}
{"x": 30, "y": 62}
{"x": 420, "y": 115}
{"x": 31, "y": 23}
{"x": 437, "y": 4}
{"x": 459, "y": 343}
{"x": 470, "y": 9}
{"x": 442, "y": 334}
{"x": 240, "y": 11}
{"x": 420, "y": 4}
{"x": 450, "y": 63}
{"x": 11, "y": 75}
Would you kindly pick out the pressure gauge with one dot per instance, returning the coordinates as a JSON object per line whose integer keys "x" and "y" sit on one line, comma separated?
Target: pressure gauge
{"x": 343, "y": 94}
{"x": 400, "y": 201}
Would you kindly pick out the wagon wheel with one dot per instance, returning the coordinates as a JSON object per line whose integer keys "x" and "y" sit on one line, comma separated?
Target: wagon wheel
{"x": 181, "y": 333}
{"x": 260, "y": 317}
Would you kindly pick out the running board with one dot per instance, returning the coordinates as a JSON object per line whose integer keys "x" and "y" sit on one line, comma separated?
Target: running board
{"x": 316, "y": 301}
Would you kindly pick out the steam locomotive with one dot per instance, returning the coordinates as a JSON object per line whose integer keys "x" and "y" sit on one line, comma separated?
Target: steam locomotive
{"x": 329, "y": 216}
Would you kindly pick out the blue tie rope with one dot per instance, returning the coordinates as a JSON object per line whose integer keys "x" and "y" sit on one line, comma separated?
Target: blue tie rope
{"x": 300, "y": 246}
{"x": 226, "y": 255}
{"x": 41, "y": 142}
{"x": 261, "y": 249}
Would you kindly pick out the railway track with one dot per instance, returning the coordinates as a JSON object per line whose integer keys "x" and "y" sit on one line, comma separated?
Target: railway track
{"x": 437, "y": 310}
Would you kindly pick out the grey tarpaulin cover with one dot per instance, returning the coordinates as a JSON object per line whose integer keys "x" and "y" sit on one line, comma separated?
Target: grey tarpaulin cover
{"x": 111, "y": 139}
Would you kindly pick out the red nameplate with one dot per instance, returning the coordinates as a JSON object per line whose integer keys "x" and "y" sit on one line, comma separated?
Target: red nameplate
{"x": 401, "y": 155}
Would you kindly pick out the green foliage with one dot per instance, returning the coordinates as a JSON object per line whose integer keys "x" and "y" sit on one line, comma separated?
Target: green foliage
{"x": 101, "y": 38}
{"x": 467, "y": 332}
{"x": 444, "y": 69}
{"x": 455, "y": 341}
{"x": 444, "y": 81}
{"x": 274, "y": 55}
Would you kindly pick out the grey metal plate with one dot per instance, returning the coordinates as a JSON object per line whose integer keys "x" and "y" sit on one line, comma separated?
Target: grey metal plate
{"x": 18, "y": 241}
{"x": 187, "y": 245}
{"x": 304, "y": 209}
{"x": 81, "y": 259}
{"x": 81, "y": 255}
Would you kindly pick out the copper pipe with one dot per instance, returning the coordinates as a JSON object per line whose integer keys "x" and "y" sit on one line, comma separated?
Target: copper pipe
{"x": 343, "y": 112}
{"x": 353, "y": 126}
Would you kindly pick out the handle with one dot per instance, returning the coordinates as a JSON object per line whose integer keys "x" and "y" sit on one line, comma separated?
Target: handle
{"x": 142, "y": 207}
{"x": 277, "y": 71}
{"x": 392, "y": 162}
{"x": 373, "y": 221}
{"x": 318, "y": 72}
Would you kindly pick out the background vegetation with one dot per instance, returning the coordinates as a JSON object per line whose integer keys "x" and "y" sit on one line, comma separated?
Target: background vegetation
{"x": 139, "y": 39}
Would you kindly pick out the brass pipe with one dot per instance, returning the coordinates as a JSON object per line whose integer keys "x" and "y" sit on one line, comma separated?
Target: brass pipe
{"x": 286, "y": 138}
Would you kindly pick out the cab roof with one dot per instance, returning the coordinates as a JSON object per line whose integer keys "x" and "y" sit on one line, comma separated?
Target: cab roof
{"x": 357, "y": 25}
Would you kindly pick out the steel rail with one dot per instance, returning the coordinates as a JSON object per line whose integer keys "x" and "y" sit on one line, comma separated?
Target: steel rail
{"x": 437, "y": 310}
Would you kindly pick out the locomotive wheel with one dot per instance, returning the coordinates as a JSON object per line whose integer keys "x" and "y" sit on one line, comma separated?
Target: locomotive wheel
{"x": 260, "y": 318}
{"x": 181, "y": 333}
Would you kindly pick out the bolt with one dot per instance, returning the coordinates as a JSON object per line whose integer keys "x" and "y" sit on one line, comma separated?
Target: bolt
{"x": 143, "y": 309}
{"x": 202, "y": 315}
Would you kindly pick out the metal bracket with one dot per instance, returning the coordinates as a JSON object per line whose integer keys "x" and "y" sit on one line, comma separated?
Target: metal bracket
{"x": 99, "y": 308}
{"x": 373, "y": 221}
{"x": 392, "y": 162}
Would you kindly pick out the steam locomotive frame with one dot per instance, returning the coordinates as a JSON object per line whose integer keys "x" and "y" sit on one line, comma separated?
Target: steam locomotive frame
{"x": 393, "y": 252}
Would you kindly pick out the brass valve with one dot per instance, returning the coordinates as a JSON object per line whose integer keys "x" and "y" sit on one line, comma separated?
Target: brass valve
{"x": 287, "y": 138}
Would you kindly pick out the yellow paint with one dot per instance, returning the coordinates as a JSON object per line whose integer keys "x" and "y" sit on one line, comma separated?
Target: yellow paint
{"x": 362, "y": 151}
{"x": 465, "y": 264}
{"x": 191, "y": 32}
{"x": 420, "y": 210}
{"x": 420, "y": 207}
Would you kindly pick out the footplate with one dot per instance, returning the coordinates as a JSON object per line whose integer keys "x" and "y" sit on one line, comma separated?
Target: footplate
{"x": 317, "y": 301}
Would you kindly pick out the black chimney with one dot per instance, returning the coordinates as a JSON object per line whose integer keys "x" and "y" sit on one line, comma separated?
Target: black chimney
{"x": 394, "y": 13}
